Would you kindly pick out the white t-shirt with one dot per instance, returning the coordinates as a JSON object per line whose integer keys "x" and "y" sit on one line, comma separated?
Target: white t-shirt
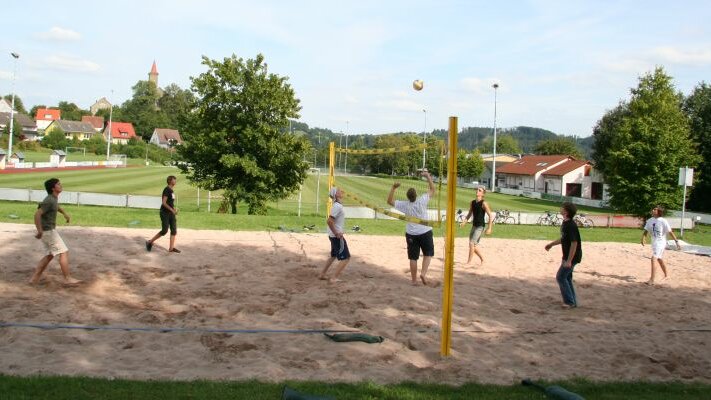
{"x": 418, "y": 209}
{"x": 658, "y": 229}
{"x": 339, "y": 215}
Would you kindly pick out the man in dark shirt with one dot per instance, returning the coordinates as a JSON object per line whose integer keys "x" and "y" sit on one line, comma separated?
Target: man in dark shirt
{"x": 572, "y": 254}
{"x": 167, "y": 216}
{"x": 477, "y": 209}
{"x": 46, "y": 223}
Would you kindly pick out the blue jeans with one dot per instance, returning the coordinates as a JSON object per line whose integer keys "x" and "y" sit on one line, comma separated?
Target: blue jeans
{"x": 565, "y": 282}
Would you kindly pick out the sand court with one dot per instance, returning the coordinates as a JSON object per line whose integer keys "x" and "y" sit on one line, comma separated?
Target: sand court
{"x": 507, "y": 321}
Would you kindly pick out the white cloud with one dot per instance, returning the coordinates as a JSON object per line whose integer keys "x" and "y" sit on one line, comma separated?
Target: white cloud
{"x": 478, "y": 85}
{"x": 70, "y": 63}
{"x": 59, "y": 34}
{"x": 5, "y": 75}
{"x": 683, "y": 57}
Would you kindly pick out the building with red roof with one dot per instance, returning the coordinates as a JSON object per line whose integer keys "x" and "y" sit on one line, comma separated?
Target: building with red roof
{"x": 45, "y": 116}
{"x": 121, "y": 132}
{"x": 96, "y": 122}
{"x": 166, "y": 138}
{"x": 559, "y": 175}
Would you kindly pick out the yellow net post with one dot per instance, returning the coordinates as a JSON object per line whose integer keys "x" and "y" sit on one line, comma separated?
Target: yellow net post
{"x": 331, "y": 174}
{"x": 448, "y": 287}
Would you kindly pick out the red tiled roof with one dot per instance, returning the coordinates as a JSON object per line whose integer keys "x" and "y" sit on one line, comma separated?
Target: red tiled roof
{"x": 96, "y": 122}
{"x": 154, "y": 69}
{"x": 530, "y": 165}
{"x": 121, "y": 130}
{"x": 164, "y": 135}
{"x": 47, "y": 114}
{"x": 566, "y": 167}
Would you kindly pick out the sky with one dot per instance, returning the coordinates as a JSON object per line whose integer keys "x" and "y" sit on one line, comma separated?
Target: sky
{"x": 560, "y": 65}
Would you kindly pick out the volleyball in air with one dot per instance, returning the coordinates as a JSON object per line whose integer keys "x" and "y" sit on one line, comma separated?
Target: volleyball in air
{"x": 417, "y": 84}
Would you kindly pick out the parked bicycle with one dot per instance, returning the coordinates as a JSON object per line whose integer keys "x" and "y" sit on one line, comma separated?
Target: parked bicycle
{"x": 584, "y": 221}
{"x": 504, "y": 217}
{"x": 549, "y": 218}
{"x": 459, "y": 217}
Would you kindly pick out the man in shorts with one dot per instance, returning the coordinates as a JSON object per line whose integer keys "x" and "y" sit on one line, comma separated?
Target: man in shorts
{"x": 167, "y": 216}
{"x": 477, "y": 209}
{"x": 46, "y": 224}
{"x": 339, "y": 248}
{"x": 418, "y": 236}
{"x": 658, "y": 228}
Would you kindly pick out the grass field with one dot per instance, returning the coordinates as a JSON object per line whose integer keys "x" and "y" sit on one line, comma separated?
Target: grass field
{"x": 60, "y": 388}
{"x": 151, "y": 181}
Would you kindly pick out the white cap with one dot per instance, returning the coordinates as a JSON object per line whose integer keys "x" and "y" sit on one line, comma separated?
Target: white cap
{"x": 332, "y": 192}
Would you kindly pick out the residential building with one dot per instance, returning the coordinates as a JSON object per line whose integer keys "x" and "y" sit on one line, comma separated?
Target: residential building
{"x": 166, "y": 138}
{"x": 501, "y": 159}
{"x": 29, "y": 127}
{"x": 101, "y": 104}
{"x": 557, "y": 175}
{"x": 71, "y": 129}
{"x": 121, "y": 132}
{"x": 96, "y": 122}
{"x": 5, "y": 106}
{"x": 45, "y": 116}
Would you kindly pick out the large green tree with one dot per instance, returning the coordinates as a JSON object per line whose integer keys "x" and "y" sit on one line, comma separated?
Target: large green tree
{"x": 469, "y": 165}
{"x": 698, "y": 109}
{"x": 641, "y": 144}
{"x": 142, "y": 109}
{"x": 564, "y": 146}
{"x": 505, "y": 144}
{"x": 175, "y": 104}
{"x": 71, "y": 112}
{"x": 19, "y": 105}
{"x": 234, "y": 138}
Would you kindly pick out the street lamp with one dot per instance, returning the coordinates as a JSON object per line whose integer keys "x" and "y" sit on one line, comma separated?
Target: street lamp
{"x": 493, "y": 164}
{"x": 108, "y": 137}
{"x": 424, "y": 140}
{"x": 12, "y": 108}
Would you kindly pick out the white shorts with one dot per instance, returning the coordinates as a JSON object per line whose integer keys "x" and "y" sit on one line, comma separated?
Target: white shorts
{"x": 658, "y": 249}
{"x": 53, "y": 243}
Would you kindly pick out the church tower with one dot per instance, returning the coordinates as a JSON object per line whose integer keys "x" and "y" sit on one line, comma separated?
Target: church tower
{"x": 153, "y": 75}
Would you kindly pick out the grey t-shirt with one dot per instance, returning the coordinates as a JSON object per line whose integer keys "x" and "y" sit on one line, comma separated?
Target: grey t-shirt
{"x": 49, "y": 206}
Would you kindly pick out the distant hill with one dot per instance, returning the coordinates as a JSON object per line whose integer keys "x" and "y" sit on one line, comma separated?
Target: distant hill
{"x": 469, "y": 137}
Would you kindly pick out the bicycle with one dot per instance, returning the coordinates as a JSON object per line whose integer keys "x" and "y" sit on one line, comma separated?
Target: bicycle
{"x": 459, "y": 218}
{"x": 548, "y": 218}
{"x": 584, "y": 221}
{"x": 504, "y": 217}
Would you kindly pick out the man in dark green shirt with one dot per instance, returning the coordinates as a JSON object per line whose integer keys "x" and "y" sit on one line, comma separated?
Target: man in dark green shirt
{"x": 46, "y": 223}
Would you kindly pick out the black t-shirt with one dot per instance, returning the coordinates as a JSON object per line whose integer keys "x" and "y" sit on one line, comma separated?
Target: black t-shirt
{"x": 569, "y": 233}
{"x": 168, "y": 192}
{"x": 477, "y": 208}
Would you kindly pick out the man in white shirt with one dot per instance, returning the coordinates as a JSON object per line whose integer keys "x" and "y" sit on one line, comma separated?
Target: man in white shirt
{"x": 658, "y": 228}
{"x": 418, "y": 236}
{"x": 339, "y": 248}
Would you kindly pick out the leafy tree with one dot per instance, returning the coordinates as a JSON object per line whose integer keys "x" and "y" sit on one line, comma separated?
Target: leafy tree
{"x": 33, "y": 110}
{"x": 564, "y": 146}
{"x": 55, "y": 140}
{"x": 641, "y": 144}
{"x": 469, "y": 165}
{"x": 71, "y": 112}
{"x": 142, "y": 109}
{"x": 505, "y": 144}
{"x": 175, "y": 104}
{"x": 234, "y": 141}
{"x": 19, "y": 106}
{"x": 698, "y": 109}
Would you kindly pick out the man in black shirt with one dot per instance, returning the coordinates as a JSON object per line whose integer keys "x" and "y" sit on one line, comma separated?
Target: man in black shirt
{"x": 572, "y": 254}
{"x": 477, "y": 209}
{"x": 167, "y": 216}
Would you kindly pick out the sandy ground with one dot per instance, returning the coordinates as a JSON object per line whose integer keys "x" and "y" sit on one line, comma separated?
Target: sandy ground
{"x": 507, "y": 318}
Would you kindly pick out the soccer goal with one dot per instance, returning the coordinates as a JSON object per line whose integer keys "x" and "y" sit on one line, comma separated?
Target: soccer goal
{"x": 70, "y": 149}
{"x": 117, "y": 160}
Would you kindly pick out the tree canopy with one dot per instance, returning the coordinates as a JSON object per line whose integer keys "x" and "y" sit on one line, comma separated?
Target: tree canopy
{"x": 234, "y": 139}
{"x": 698, "y": 109}
{"x": 563, "y": 146}
{"x": 640, "y": 145}
{"x": 505, "y": 144}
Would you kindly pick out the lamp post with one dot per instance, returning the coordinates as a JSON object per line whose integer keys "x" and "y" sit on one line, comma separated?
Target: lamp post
{"x": 108, "y": 136}
{"x": 424, "y": 140}
{"x": 493, "y": 163}
{"x": 345, "y": 168}
{"x": 12, "y": 108}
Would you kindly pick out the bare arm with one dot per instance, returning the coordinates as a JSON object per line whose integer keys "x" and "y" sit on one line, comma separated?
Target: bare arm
{"x": 671, "y": 232}
{"x": 553, "y": 243}
{"x": 167, "y": 207}
{"x": 331, "y": 222}
{"x": 644, "y": 236}
{"x": 391, "y": 196}
{"x": 469, "y": 214}
{"x": 431, "y": 188}
{"x": 66, "y": 216}
{"x": 491, "y": 218}
{"x": 38, "y": 222}
{"x": 571, "y": 254}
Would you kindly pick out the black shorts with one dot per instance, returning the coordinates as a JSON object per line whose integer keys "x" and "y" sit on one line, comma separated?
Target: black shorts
{"x": 423, "y": 242}
{"x": 339, "y": 248}
{"x": 167, "y": 220}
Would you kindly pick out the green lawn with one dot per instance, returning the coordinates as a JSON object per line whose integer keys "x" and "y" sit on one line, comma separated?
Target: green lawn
{"x": 58, "y": 388}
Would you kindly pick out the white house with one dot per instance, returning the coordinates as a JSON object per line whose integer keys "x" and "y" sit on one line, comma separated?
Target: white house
{"x": 166, "y": 138}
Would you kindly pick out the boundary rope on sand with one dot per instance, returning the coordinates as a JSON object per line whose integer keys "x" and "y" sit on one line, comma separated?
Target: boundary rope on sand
{"x": 312, "y": 331}
{"x": 167, "y": 329}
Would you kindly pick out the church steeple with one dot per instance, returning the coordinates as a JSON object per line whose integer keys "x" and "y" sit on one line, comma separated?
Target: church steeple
{"x": 153, "y": 75}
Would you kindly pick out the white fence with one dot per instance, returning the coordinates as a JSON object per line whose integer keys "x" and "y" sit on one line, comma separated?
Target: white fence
{"x": 82, "y": 198}
{"x": 30, "y": 165}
